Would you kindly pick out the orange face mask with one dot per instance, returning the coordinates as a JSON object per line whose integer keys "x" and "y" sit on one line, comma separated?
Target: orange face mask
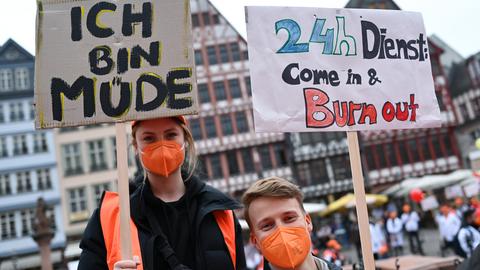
{"x": 162, "y": 157}
{"x": 286, "y": 247}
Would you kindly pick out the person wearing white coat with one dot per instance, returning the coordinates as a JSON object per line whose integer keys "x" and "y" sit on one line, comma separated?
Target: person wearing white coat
{"x": 394, "y": 228}
{"x": 468, "y": 236}
{"x": 378, "y": 240}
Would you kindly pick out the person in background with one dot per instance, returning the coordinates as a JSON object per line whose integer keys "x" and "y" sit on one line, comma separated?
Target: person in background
{"x": 460, "y": 207}
{"x": 394, "y": 228}
{"x": 178, "y": 222}
{"x": 252, "y": 256}
{"x": 379, "y": 243}
{"x": 411, "y": 220}
{"x": 468, "y": 236}
{"x": 332, "y": 252}
{"x": 279, "y": 226}
{"x": 448, "y": 224}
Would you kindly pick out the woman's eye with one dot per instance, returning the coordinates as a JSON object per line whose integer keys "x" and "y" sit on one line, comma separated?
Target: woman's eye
{"x": 171, "y": 135}
{"x": 148, "y": 138}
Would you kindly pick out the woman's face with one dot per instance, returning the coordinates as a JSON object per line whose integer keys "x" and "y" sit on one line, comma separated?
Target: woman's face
{"x": 154, "y": 130}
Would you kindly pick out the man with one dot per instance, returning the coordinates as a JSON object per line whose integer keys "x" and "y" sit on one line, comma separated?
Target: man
{"x": 448, "y": 224}
{"x": 279, "y": 226}
{"x": 394, "y": 228}
{"x": 468, "y": 236}
{"x": 410, "y": 220}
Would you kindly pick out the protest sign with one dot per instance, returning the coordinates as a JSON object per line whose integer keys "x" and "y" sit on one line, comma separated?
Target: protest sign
{"x": 429, "y": 203}
{"x": 103, "y": 61}
{"x": 471, "y": 189}
{"x": 316, "y": 69}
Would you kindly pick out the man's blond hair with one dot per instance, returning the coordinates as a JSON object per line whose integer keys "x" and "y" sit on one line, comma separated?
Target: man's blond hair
{"x": 273, "y": 187}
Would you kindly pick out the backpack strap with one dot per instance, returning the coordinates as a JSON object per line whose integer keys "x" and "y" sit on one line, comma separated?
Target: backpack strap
{"x": 226, "y": 222}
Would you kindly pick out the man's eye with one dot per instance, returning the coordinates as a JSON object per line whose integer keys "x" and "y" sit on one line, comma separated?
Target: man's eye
{"x": 266, "y": 227}
{"x": 291, "y": 218}
{"x": 171, "y": 135}
{"x": 147, "y": 138}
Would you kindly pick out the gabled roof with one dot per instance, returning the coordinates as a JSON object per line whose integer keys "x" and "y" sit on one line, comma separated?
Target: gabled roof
{"x": 459, "y": 81}
{"x": 19, "y": 53}
{"x": 389, "y": 4}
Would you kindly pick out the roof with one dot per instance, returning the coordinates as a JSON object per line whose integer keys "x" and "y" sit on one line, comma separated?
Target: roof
{"x": 389, "y": 4}
{"x": 459, "y": 81}
{"x": 19, "y": 53}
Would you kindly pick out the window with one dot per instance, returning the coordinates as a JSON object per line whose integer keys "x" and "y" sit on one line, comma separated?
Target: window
{"x": 368, "y": 153}
{"x": 96, "y": 152}
{"x": 203, "y": 94}
{"x": 39, "y": 142}
{"x": 78, "y": 204}
{"x": 382, "y": 158}
{"x": 318, "y": 172}
{"x": 232, "y": 162}
{"x": 212, "y": 55}
{"x": 206, "y": 18}
{"x": 235, "y": 50}
{"x": 245, "y": 55}
{"x": 390, "y": 154}
{"x": 247, "y": 159}
{"x": 195, "y": 129}
{"x": 441, "y": 104}
{"x": 341, "y": 167}
{"x": 7, "y": 225}
{"x": 24, "y": 183}
{"x": 464, "y": 111}
{"x": 216, "y": 166}
{"x": 27, "y": 217}
{"x": 215, "y": 18}
{"x": 20, "y": 145}
{"x": 303, "y": 174}
{"x": 5, "y": 188}
{"x": 72, "y": 157}
{"x": 2, "y": 116}
{"x": 223, "y": 53}
{"x": 98, "y": 191}
{"x": 3, "y": 147}
{"x": 113, "y": 143}
{"x": 412, "y": 145}
{"x": 6, "y": 80}
{"x": 44, "y": 181}
{"x": 280, "y": 154}
{"x": 425, "y": 148}
{"x": 476, "y": 105}
{"x": 210, "y": 127}
{"x": 198, "y": 58}
{"x": 22, "y": 78}
{"x": 219, "y": 88}
{"x": 195, "y": 20}
{"x": 16, "y": 112}
{"x": 248, "y": 85}
{"x": 32, "y": 110}
{"x": 241, "y": 119}
{"x": 226, "y": 122}
{"x": 448, "y": 145}
{"x": 234, "y": 86}
{"x": 202, "y": 168}
{"x": 265, "y": 157}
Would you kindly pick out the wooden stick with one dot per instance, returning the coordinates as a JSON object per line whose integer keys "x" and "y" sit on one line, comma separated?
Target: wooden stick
{"x": 360, "y": 200}
{"x": 123, "y": 191}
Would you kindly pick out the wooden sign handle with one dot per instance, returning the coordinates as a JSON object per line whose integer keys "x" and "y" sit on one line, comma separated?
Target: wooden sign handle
{"x": 123, "y": 191}
{"x": 360, "y": 200}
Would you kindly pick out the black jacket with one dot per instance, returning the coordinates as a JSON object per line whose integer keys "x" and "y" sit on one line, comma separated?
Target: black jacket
{"x": 210, "y": 249}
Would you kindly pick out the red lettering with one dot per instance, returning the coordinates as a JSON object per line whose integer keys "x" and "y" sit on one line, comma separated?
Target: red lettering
{"x": 352, "y": 108}
{"x": 402, "y": 115}
{"x": 413, "y": 107}
{"x": 368, "y": 111}
{"x": 317, "y": 115}
{"x": 388, "y": 111}
{"x": 341, "y": 117}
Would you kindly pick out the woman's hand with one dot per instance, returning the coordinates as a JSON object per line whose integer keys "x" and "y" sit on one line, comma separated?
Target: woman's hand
{"x": 127, "y": 264}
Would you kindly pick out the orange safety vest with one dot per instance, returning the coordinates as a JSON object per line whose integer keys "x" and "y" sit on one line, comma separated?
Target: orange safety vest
{"x": 110, "y": 221}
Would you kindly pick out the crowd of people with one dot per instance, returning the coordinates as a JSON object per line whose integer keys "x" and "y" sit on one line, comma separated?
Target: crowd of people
{"x": 178, "y": 222}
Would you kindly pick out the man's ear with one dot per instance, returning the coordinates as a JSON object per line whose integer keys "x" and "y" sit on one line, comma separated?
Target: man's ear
{"x": 254, "y": 241}
{"x": 308, "y": 219}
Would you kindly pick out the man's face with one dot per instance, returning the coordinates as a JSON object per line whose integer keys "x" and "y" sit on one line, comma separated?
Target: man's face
{"x": 267, "y": 214}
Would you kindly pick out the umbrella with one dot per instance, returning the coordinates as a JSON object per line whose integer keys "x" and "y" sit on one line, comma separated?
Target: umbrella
{"x": 348, "y": 201}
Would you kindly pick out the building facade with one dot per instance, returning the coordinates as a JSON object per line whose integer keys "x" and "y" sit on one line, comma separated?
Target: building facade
{"x": 28, "y": 168}
{"x": 465, "y": 85}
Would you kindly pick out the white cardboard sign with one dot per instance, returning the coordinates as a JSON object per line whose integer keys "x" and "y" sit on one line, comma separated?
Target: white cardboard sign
{"x": 110, "y": 61}
{"x": 317, "y": 69}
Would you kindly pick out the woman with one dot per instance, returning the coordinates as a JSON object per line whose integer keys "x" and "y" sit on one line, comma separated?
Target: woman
{"x": 177, "y": 217}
